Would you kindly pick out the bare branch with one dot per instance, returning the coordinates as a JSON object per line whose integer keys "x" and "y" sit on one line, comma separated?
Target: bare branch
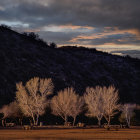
{"x": 32, "y": 97}
{"x": 128, "y": 112}
{"x": 67, "y": 103}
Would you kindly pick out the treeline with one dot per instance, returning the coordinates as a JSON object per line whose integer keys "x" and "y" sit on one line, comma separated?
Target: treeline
{"x": 34, "y": 98}
{"x": 30, "y": 36}
{"x": 35, "y": 37}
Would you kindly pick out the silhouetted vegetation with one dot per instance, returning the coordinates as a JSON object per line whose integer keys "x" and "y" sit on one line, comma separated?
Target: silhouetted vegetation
{"x": 53, "y": 45}
{"x": 3, "y": 27}
{"x": 23, "y": 56}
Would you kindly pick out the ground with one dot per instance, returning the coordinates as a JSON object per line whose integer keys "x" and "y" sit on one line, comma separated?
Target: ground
{"x": 70, "y": 134}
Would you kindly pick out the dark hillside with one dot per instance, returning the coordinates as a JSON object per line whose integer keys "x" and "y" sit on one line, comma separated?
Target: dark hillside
{"x": 23, "y": 57}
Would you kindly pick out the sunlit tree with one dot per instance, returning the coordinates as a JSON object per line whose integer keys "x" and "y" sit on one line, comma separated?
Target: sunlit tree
{"x": 67, "y": 103}
{"x": 93, "y": 99}
{"x": 102, "y": 101}
{"x": 128, "y": 112}
{"x": 110, "y": 102}
{"x": 76, "y": 107}
{"x": 32, "y": 98}
{"x": 11, "y": 110}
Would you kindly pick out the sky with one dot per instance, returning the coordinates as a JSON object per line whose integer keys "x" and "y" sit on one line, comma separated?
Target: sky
{"x": 108, "y": 25}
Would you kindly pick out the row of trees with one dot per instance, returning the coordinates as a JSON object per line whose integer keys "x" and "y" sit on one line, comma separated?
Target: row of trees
{"x": 32, "y": 100}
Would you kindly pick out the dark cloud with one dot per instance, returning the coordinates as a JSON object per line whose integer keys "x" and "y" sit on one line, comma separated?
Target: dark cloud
{"x": 59, "y": 37}
{"x": 120, "y": 13}
{"x": 123, "y": 14}
{"x": 119, "y": 39}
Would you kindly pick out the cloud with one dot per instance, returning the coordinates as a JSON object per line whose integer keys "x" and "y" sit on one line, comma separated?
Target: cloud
{"x": 2, "y": 8}
{"x": 109, "y": 35}
{"x": 91, "y": 22}
{"x": 120, "y": 13}
{"x": 58, "y": 37}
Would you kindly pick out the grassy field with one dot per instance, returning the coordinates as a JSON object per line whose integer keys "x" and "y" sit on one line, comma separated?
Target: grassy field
{"x": 70, "y": 134}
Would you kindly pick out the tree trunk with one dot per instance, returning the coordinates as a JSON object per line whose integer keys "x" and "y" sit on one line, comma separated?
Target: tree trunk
{"x": 3, "y": 124}
{"x": 66, "y": 120}
{"x": 20, "y": 121}
{"x": 99, "y": 122}
{"x": 74, "y": 119}
{"x": 5, "y": 121}
{"x": 109, "y": 120}
{"x": 37, "y": 117}
{"x": 34, "y": 122}
{"x": 128, "y": 122}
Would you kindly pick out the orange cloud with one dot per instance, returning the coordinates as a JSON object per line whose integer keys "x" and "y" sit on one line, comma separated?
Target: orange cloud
{"x": 74, "y": 27}
{"x": 64, "y": 28}
{"x": 107, "y": 32}
{"x": 130, "y": 31}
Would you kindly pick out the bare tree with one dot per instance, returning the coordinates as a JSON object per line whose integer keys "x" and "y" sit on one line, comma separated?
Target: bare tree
{"x": 93, "y": 99}
{"x": 102, "y": 101}
{"x": 66, "y": 103}
{"x": 32, "y": 97}
{"x": 128, "y": 112}
{"x": 10, "y": 110}
{"x": 110, "y": 102}
{"x": 76, "y": 107}
{"x": 7, "y": 111}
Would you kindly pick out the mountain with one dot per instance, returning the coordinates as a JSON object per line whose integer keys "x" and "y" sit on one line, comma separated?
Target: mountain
{"x": 23, "y": 56}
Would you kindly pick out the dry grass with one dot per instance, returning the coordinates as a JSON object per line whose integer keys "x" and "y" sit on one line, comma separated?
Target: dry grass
{"x": 70, "y": 134}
